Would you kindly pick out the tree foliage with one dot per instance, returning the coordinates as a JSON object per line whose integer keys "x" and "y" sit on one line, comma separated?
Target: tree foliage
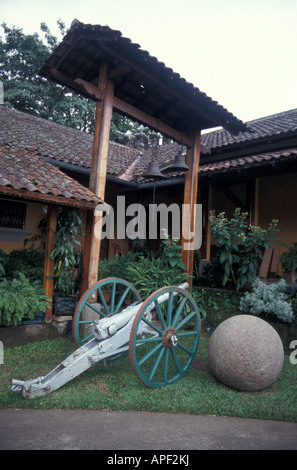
{"x": 21, "y": 58}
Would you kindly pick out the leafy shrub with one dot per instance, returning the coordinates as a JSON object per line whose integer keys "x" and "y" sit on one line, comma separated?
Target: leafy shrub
{"x": 150, "y": 274}
{"x": 212, "y": 274}
{"x": 171, "y": 253}
{"x": 116, "y": 266}
{"x": 268, "y": 299}
{"x": 240, "y": 246}
{"x": 21, "y": 299}
{"x": 28, "y": 261}
{"x": 67, "y": 254}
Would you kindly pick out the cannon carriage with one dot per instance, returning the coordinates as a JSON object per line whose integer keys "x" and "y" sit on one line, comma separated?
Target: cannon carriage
{"x": 161, "y": 335}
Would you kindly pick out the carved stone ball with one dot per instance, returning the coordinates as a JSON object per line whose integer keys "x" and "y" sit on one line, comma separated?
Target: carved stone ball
{"x": 245, "y": 353}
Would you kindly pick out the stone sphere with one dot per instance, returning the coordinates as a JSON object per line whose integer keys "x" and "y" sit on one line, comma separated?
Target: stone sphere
{"x": 245, "y": 353}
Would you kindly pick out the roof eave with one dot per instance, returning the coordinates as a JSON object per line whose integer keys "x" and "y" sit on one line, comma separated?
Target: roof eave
{"x": 118, "y": 48}
{"x": 38, "y": 197}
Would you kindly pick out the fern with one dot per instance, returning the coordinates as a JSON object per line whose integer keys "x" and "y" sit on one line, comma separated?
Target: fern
{"x": 21, "y": 299}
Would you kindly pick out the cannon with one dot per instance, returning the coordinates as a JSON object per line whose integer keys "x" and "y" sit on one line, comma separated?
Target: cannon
{"x": 161, "y": 335}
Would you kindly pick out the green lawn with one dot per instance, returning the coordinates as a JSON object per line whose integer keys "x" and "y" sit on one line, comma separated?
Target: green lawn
{"x": 116, "y": 387}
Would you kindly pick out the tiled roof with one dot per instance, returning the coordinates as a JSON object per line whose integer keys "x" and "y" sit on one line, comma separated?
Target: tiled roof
{"x": 25, "y": 174}
{"x": 269, "y": 127}
{"x": 228, "y": 165}
{"x": 49, "y": 139}
{"x": 276, "y": 125}
{"x": 237, "y": 164}
{"x": 37, "y": 136}
{"x": 140, "y": 79}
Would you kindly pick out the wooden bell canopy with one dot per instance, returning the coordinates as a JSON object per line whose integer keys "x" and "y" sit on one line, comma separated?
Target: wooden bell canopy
{"x": 144, "y": 88}
{"x": 101, "y": 64}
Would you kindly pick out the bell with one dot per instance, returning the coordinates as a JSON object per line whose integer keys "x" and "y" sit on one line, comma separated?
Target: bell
{"x": 179, "y": 163}
{"x": 153, "y": 171}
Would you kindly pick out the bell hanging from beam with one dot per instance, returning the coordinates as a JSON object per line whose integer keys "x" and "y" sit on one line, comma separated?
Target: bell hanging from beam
{"x": 179, "y": 163}
{"x": 153, "y": 171}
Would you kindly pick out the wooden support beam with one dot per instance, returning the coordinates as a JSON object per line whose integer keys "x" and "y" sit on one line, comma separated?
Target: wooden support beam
{"x": 65, "y": 80}
{"x": 48, "y": 284}
{"x": 190, "y": 200}
{"x": 88, "y": 89}
{"x": 99, "y": 166}
{"x": 153, "y": 123}
{"x": 134, "y": 113}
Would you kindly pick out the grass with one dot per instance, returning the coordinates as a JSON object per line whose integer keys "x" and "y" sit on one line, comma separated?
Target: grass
{"x": 116, "y": 387}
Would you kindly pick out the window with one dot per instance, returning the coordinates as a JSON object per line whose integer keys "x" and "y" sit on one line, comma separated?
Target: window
{"x": 12, "y": 214}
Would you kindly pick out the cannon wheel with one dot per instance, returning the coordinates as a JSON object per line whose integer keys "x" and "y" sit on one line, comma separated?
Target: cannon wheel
{"x": 163, "y": 353}
{"x": 119, "y": 292}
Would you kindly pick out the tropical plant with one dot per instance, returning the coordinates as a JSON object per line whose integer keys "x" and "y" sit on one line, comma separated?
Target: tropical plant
{"x": 211, "y": 275}
{"x": 29, "y": 261}
{"x": 149, "y": 274}
{"x": 21, "y": 299}
{"x": 288, "y": 260}
{"x": 67, "y": 253}
{"x": 116, "y": 266}
{"x": 171, "y": 252}
{"x": 268, "y": 299}
{"x": 240, "y": 246}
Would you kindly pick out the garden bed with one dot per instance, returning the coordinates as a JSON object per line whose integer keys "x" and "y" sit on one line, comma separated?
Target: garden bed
{"x": 218, "y": 304}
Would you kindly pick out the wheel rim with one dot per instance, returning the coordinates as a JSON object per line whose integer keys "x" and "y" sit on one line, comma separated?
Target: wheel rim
{"x": 162, "y": 355}
{"x": 120, "y": 291}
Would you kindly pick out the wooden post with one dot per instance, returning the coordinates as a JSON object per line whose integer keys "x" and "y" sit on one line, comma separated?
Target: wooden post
{"x": 190, "y": 201}
{"x": 99, "y": 168}
{"x": 48, "y": 284}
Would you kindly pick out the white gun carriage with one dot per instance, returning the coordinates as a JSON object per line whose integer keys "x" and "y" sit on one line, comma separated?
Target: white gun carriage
{"x": 160, "y": 334}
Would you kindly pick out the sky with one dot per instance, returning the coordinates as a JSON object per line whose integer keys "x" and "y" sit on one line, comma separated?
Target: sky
{"x": 241, "y": 53}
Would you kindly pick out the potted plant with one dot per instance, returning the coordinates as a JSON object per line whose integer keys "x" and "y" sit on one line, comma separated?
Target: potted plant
{"x": 67, "y": 256}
